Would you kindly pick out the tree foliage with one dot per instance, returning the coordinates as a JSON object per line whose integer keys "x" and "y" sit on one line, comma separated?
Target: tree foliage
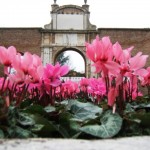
{"x": 62, "y": 59}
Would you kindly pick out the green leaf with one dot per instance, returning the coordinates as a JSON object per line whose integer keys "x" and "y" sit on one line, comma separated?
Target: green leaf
{"x": 35, "y": 109}
{"x": 110, "y": 126}
{"x": 18, "y": 132}
{"x": 145, "y": 106}
{"x": 25, "y": 103}
{"x": 143, "y": 117}
{"x": 68, "y": 128}
{"x": 48, "y": 127}
{"x": 12, "y": 115}
{"x": 64, "y": 102}
{"x": 49, "y": 109}
{"x": 63, "y": 131}
{"x": 128, "y": 108}
{"x": 83, "y": 111}
{"x": 37, "y": 127}
{"x": 131, "y": 127}
{"x": 1, "y": 134}
{"x": 146, "y": 97}
{"x": 25, "y": 119}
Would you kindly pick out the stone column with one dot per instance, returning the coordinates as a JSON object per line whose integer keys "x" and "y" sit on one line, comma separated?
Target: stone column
{"x": 47, "y": 55}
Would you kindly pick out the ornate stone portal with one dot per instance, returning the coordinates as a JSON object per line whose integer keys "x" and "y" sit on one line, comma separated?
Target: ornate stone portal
{"x": 69, "y": 29}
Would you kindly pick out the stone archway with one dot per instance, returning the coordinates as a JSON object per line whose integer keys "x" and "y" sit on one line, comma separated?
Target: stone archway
{"x": 69, "y": 29}
{"x": 80, "y": 52}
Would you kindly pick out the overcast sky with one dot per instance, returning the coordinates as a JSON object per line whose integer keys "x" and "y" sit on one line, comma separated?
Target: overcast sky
{"x": 104, "y": 13}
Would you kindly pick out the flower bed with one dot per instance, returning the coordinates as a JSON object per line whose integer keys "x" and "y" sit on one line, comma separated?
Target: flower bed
{"x": 34, "y": 102}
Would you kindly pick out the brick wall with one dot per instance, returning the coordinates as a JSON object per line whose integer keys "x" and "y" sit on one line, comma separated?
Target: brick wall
{"x": 29, "y": 39}
{"x": 24, "y": 39}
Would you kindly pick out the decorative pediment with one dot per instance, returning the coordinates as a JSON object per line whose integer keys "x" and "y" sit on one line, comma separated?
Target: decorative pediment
{"x": 70, "y": 9}
{"x": 70, "y": 17}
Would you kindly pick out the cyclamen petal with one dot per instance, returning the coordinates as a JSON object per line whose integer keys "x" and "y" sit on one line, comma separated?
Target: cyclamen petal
{"x": 148, "y": 69}
{"x": 90, "y": 52}
{"x": 117, "y": 51}
{"x": 11, "y": 52}
{"x": 26, "y": 61}
{"x": 36, "y": 60}
{"x": 64, "y": 70}
{"x": 141, "y": 72}
{"x": 55, "y": 83}
{"x": 7, "y": 55}
{"x": 138, "y": 61}
{"x": 130, "y": 49}
{"x": 56, "y": 71}
{"x": 113, "y": 67}
{"x": 40, "y": 71}
{"x": 106, "y": 42}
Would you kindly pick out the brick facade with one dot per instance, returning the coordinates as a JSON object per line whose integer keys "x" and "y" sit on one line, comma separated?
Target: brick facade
{"x": 24, "y": 39}
{"x": 30, "y": 39}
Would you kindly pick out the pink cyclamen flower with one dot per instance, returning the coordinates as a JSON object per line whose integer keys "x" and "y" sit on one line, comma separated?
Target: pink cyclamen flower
{"x": 23, "y": 63}
{"x": 52, "y": 74}
{"x": 146, "y": 78}
{"x": 69, "y": 89}
{"x": 100, "y": 52}
{"x": 97, "y": 86}
{"x": 84, "y": 82}
{"x": 138, "y": 61}
{"x": 7, "y": 55}
{"x": 121, "y": 55}
{"x": 36, "y": 60}
{"x": 19, "y": 77}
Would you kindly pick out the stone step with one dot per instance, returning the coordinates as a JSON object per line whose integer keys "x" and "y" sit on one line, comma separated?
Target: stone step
{"x": 129, "y": 143}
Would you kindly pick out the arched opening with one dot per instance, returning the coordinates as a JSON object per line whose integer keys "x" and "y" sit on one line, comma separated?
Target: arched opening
{"x": 74, "y": 59}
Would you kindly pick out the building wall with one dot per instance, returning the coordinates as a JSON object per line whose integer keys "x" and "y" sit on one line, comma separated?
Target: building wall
{"x": 24, "y": 39}
{"x": 139, "y": 38}
{"x": 30, "y": 39}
